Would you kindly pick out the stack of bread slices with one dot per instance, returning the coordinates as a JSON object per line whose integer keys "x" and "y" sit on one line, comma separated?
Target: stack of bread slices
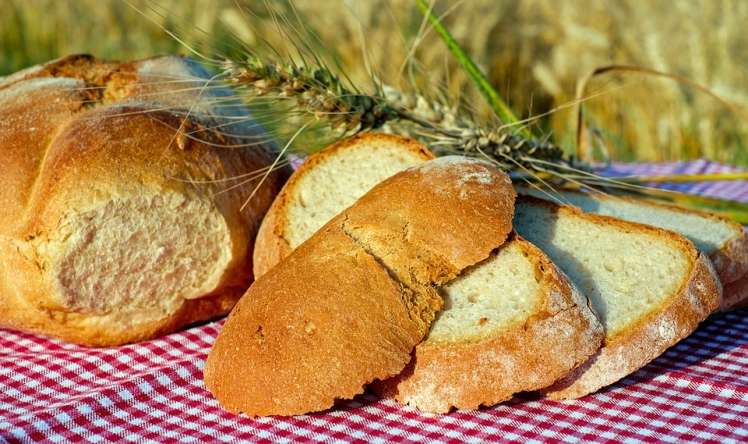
{"x": 431, "y": 282}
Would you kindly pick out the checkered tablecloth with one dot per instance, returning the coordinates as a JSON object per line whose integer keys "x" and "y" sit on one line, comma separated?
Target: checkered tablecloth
{"x": 153, "y": 391}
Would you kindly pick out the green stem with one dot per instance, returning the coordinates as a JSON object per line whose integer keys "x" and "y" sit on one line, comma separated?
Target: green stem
{"x": 484, "y": 86}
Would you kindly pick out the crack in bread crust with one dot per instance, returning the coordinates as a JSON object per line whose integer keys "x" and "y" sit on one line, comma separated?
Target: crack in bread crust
{"x": 420, "y": 298}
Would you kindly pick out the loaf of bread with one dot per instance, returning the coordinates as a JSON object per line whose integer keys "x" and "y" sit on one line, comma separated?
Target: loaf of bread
{"x": 511, "y": 323}
{"x": 350, "y": 303}
{"x": 723, "y": 240}
{"x": 650, "y": 287}
{"x": 115, "y": 226}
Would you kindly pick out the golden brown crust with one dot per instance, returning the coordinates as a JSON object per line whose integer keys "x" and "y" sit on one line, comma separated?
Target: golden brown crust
{"x": 530, "y": 355}
{"x": 272, "y": 244}
{"x": 84, "y": 67}
{"x": 282, "y": 354}
{"x": 99, "y": 331}
{"x": 341, "y": 311}
{"x": 731, "y": 260}
{"x": 735, "y": 295}
{"x": 436, "y": 219}
{"x": 29, "y": 121}
{"x": 69, "y": 142}
{"x": 648, "y": 338}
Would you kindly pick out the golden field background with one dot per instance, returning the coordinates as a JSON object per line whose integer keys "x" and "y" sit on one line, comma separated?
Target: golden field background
{"x": 534, "y": 51}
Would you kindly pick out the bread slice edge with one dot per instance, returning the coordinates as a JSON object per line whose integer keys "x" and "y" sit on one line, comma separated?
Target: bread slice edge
{"x": 563, "y": 334}
{"x": 730, "y": 259}
{"x": 649, "y": 338}
{"x": 271, "y": 245}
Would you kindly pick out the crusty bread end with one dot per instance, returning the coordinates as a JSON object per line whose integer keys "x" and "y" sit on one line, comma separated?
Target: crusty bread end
{"x": 114, "y": 222}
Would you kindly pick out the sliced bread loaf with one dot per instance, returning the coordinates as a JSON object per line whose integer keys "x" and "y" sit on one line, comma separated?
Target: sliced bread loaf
{"x": 327, "y": 183}
{"x": 722, "y": 239}
{"x": 349, "y": 304}
{"x": 650, "y": 287}
{"x": 512, "y": 323}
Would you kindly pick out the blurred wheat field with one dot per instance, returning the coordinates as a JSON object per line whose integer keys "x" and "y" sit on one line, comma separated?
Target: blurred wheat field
{"x": 534, "y": 51}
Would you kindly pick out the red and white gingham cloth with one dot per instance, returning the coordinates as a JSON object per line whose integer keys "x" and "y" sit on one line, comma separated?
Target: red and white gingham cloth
{"x": 153, "y": 391}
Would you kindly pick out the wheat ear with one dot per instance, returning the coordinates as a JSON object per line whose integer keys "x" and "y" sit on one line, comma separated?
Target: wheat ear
{"x": 317, "y": 91}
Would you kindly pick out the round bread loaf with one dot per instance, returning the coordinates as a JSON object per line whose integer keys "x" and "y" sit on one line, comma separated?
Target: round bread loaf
{"x": 120, "y": 219}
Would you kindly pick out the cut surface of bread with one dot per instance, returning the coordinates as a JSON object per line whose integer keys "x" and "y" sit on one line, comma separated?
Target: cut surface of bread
{"x": 650, "y": 287}
{"x": 115, "y": 228}
{"x": 350, "y": 303}
{"x": 723, "y": 240}
{"x": 511, "y": 323}
{"x": 327, "y": 183}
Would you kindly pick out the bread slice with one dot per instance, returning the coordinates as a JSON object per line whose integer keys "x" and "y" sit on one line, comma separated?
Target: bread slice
{"x": 513, "y": 313}
{"x": 650, "y": 287}
{"x": 350, "y": 303}
{"x": 510, "y": 324}
{"x": 326, "y": 183}
{"x": 723, "y": 240}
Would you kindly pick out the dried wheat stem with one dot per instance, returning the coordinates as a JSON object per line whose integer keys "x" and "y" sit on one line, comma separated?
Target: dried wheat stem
{"x": 322, "y": 94}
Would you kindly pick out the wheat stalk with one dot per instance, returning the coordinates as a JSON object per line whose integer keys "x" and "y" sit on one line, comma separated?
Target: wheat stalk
{"x": 319, "y": 92}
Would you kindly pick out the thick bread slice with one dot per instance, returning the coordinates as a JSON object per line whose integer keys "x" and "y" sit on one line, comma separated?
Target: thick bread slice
{"x": 512, "y": 323}
{"x": 349, "y": 304}
{"x": 650, "y": 287}
{"x": 723, "y": 240}
{"x": 346, "y": 170}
